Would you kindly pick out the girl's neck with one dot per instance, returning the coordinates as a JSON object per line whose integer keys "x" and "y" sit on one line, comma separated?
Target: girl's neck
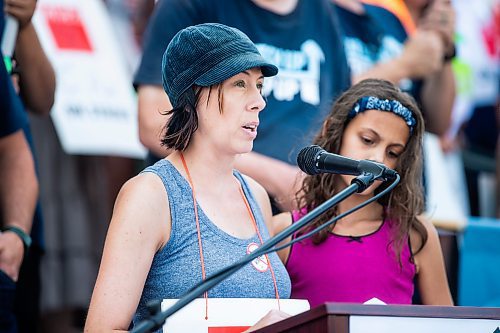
{"x": 373, "y": 212}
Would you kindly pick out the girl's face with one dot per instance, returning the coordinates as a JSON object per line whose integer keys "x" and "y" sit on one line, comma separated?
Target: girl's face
{"x": 375, "y": 135}
{"x": 234, "y": 129}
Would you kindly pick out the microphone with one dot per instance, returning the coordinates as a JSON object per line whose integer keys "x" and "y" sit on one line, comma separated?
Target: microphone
{"x": 314, "y": 160}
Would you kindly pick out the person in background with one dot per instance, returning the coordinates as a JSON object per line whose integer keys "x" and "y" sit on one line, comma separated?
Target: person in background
{"x": 381, "y": 249}
{"x": 192, "y": 213}
{"x": 34, "y": 81}
{"x": 313, "y": 71}
{"x": 497, "y": 156}
{"x": 18, "y": 195}
{"x": 475, "y": 129}
{"x": 419, "y": 61}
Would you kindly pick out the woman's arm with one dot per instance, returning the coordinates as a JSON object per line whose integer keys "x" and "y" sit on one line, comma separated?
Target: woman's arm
{"x": 431, "y": 274}
{"x": 140, "y": 226}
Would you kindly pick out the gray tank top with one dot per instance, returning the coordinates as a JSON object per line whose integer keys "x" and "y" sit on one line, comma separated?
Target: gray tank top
{"x": 176, "y": 268}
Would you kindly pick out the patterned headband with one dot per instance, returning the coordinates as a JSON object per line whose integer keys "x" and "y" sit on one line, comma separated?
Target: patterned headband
{"x": 375, "y": 103}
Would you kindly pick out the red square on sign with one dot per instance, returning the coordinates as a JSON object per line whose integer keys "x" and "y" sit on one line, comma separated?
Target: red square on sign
{"x": 228, "y": 329}
{"x": 67, "y": 28}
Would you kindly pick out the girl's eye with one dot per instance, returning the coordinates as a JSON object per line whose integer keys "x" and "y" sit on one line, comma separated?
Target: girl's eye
{"x": 260, "y": 86}
{"x": 393, "y": 154}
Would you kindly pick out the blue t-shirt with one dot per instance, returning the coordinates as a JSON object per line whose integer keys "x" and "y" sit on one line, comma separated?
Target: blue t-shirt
{"x": 11, "y": 118}
{"x": 305, "y": 44}
{"x": 12, "y": 115}
{"x": 373, "y": 37}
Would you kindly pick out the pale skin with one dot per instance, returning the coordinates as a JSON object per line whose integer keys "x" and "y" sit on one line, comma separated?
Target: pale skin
{"x": 422, "y": 58}
{"x": 152, "y": 102}
{"x": 382, "y": 136}
{"x": 141, "y": 220}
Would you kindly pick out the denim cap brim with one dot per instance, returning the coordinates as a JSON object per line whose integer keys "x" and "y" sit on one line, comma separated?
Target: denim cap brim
{"x": 235, "y": 65}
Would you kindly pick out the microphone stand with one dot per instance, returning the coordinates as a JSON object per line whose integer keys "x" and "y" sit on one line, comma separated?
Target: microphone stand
{"x": 156, "y": 320}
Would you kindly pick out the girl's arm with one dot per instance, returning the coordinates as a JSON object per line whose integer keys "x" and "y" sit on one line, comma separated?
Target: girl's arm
{"x": 140, "y": 226}
{"x": 431, "y": 274}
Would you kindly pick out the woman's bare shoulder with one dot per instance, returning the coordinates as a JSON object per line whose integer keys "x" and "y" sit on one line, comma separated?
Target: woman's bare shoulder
{"x": 143, "y": 203}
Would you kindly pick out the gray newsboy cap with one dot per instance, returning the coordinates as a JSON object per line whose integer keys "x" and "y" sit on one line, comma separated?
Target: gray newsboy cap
{"x": 208, "y": 54}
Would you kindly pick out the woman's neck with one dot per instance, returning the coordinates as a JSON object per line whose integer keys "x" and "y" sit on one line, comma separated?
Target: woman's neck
{"x": 206, "y": 167}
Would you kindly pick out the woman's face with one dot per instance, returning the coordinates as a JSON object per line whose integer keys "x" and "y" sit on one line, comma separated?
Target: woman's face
{"x": 235, "y": 127}
{"x": 375, "y": 135}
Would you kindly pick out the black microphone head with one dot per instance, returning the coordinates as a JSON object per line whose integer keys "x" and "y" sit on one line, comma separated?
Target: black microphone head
{"x": 306, "y": 160}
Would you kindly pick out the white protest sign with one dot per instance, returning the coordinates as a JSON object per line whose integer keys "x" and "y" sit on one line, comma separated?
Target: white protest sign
{"x": 444, "y": 187}
{"x": 379, "y": 324}
{"x": 95, "y": 110}
{"x": 226, "y": 315}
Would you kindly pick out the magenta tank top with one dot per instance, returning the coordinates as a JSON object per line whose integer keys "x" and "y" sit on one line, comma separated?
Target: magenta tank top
{"x": 351, "y": 269}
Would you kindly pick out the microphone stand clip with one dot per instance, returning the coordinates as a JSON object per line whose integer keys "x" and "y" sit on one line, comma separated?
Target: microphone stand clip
{"x": 363, "y": 181}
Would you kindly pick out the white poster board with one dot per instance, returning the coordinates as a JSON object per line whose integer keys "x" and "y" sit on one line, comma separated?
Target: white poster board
{"x": 226, "y": 315}
{"x": 380, "y": 324}
{"x": 446, "y": 192}
{"x": 95, "y": 110}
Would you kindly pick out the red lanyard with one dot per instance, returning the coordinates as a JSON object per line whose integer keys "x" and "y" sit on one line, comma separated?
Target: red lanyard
{"x": 203, "y": 274}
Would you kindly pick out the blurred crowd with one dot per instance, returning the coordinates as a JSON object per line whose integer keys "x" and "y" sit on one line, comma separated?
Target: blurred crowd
{"x": 445, "y": 53}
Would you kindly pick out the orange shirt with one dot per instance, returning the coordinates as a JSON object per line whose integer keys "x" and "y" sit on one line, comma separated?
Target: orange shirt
{"x": 398, "y": 8}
